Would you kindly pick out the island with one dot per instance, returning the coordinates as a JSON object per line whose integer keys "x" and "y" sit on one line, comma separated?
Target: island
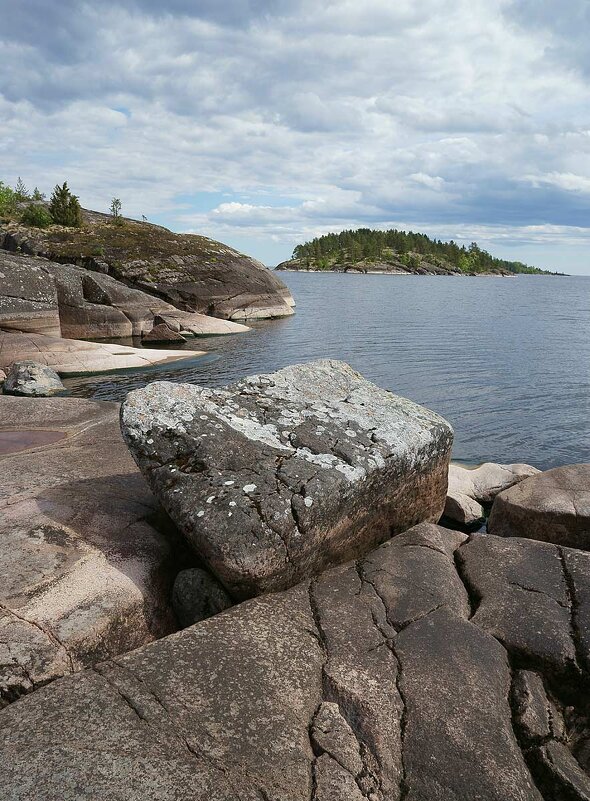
{"x": 396, "y": 252}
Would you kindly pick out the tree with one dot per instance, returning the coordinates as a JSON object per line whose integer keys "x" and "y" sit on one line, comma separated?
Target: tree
{"x": 37, "y": 194}
{"x": 36, "y": 216}
{"x": 115, "y": 210}
{"x": 21, "y": 191}
{"x": 64, "y": 207}
{"x": 8, "y": 200}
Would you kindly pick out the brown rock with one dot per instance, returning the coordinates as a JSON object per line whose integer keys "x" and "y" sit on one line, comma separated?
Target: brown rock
{"x": 85, "y": 575}
{"x": 162, "y": 333}
{"x": 553, "y": 506}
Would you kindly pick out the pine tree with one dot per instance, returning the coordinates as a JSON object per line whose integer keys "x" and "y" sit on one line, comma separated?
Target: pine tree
{"x": 21, "y": 191}
{"x": 115, "y": 210}
{"x": 37, "y": 194}
{"x": 64, "y": 207}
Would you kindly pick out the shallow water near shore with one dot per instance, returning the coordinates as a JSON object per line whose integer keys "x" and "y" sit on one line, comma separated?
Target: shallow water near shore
{"x": 505, "y": 360}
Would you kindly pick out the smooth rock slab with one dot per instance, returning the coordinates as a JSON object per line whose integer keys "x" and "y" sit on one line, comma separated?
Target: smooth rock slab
{"x": 360, "y": 684}
{"x": 86, "y": 574}
{"x": 553, "y": 506}
{"x": 274, "y": 478}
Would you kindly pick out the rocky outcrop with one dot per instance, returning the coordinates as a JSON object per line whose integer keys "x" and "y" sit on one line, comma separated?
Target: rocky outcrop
{"x": 274, "y": 478}
{"x": 553, "y": 506}
{"x": 196, "y": 595}
{"x": 74, "y": 356}
{"x": 86, "y": 574}
{"x": 30, "y": 379}
{"x": 43, "y": 297}
{"x": 190, "y": 272}
{"x": 163, "y": 334}
{"x": 469, "y": 488}
{"x": 420, "y": 672}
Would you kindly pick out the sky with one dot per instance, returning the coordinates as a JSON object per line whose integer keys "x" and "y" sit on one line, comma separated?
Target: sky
{"x": 264, "y": 123}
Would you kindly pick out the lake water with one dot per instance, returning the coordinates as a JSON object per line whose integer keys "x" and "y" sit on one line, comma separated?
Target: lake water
{"x": 505, "y": 360}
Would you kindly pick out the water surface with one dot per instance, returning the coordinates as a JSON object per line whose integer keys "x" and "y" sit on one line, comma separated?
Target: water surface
{"x": 505, "y": 360}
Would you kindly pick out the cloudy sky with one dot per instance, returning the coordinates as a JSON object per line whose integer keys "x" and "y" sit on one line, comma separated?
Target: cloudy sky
{"x": 266, "y": 122}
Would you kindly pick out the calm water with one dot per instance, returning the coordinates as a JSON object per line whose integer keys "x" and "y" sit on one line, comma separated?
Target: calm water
{"x": 506, "y": 361}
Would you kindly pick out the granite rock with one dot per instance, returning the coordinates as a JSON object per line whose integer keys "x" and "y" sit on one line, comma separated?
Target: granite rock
{"x": 278, "y": 476}
{"x": 30, "y": 379}
{"x": 553, "y": 506}
{"x": 369, "y": 682}
{"x": 86, "y": 570}
{"x": 196, "y": 595}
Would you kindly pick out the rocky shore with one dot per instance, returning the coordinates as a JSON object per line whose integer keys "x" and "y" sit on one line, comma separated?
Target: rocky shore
{"x": 60, "y": 287}
{"x": 379, "y": 654}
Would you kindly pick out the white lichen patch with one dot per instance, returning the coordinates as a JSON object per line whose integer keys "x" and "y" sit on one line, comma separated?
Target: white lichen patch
{"x": 248, "y": 488}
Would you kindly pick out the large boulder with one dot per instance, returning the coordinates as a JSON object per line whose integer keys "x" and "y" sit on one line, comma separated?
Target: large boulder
{"x": 86, "y": 573}
{"x": 469, "y": 488}
{"x": 278, "y": 476}
{"x": 32, "y": 379}
{"x": 74, "y": 356}
{"x": 196, "y": 595}
{"x": 374, "y": 681}
{"x": 553, "y": 506}
{"x": 191, "y": 272}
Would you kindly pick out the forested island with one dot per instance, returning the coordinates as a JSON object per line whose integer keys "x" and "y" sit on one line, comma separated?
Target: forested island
{"x": 398, "y": 252}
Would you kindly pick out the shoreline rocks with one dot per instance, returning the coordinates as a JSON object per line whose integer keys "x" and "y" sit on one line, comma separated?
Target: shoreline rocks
{"x": 278, "y": 476}
{"x": 30, "y": 379}
{"x": 383, "y": 679}
{"x": 470, "y": 488}
{"x": 553, "y": 506}
{"x": 86, "y": 572}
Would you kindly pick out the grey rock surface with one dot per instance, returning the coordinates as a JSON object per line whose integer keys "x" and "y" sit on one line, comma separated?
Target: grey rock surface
{"x": 278, "y": 476}
{"x": 196, "y": 595}
{"x": 30, "y": 379}
{"x": 28, "y": 297}
{"x": 163, "y": 333}
{"x": 553, "y": 506}
{"x": 86, "y": 572}
{"x": 368, "y": 682}
{"x": 470, "y": 488}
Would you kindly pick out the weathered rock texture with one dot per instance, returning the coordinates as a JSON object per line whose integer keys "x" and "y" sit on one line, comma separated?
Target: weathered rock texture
{"x": 32, "y": 379}
{"x": 384, "y": 679}
{"x": 553, "y": 506}
{"x": 196, "y": 595}
{"x": 470, "y": 488}
{"x": 192, "y": 272}
{"x": 279, "y": 475}
{"x": 43, "y": 297}
{"x": 85, "y": 575}
{"x": 73, "y": 356}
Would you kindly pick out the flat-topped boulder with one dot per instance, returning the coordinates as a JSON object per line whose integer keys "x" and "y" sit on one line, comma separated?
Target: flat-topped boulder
{"x": 85, "y": 572}
{"x": 553, "y": 506}
{"x": 278, "y": 476}
{"x": 75, "y": 356}
{"x": 191, "y": 272}
{"x": 384, "y": 679}
{"x": 469, "y": 488}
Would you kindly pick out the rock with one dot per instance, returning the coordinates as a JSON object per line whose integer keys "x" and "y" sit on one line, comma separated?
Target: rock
{"x": 28, "y": 297}
{"x": 190, "y": 272}
{"x": 85, "y": 574}
{"x": 361, "y": 684}
{"x": 278, "y": 476}
{"x": 162, "y": 333}
{"x": 196, "y": 595}
{"x": 553, "y": 506}
{"x": 73, "y": 356}
{"x": 31, "y": 379}
{"x": 2, "y": 376}
{"x": 470, "y": 488}
{"x": 44, "y": 297}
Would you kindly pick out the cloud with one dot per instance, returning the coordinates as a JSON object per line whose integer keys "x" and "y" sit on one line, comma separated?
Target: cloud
{"x": 306, "y": 116}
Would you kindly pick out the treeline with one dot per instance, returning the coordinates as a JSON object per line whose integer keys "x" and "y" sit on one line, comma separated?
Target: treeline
{"x": 366, "y": 244}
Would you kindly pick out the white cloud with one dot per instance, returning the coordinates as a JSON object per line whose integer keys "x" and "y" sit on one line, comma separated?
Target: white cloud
{"x": 310, "y": 115}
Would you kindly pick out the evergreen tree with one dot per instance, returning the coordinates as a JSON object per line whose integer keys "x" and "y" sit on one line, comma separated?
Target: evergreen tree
{"x": 21, "y": 191}
{"x": 37, "y": 194}
{"x": 64, "y": 207}
{"x": 115, "y": 209}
